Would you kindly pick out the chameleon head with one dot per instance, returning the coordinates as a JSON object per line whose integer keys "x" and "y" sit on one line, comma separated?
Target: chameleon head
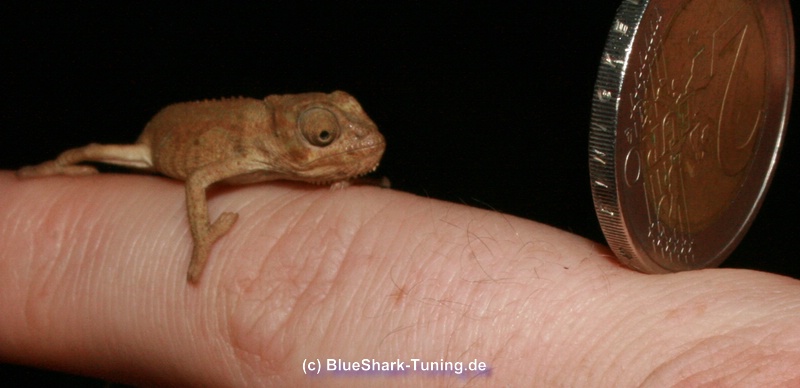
{"x": 323, "y": 137}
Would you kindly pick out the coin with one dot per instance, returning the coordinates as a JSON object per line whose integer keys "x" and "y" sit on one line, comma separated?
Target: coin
{"x": 688, "y": 117}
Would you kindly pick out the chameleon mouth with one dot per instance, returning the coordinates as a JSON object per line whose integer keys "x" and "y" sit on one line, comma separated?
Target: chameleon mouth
{"x": 363, "y": 147}
{"x": 383, "y": 182}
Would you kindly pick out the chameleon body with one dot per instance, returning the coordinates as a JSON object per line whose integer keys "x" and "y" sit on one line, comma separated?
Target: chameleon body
{"x": 311, "y": 137}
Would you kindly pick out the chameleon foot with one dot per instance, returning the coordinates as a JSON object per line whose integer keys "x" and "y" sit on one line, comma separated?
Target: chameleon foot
{"x": 202, "y": 245}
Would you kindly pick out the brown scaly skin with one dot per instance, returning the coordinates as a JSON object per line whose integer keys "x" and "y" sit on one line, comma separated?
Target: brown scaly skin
{"x": 311, "y": 137}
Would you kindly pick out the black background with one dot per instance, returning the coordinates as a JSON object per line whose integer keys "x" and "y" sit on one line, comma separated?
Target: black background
{"x": 483, "y": 104}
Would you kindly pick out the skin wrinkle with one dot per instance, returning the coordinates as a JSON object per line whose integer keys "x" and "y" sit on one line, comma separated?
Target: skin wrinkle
{"x": 306, "y": 294}
{"x": 408, "y": 261}
{"x": 248, "y": 320}
{"x": 732, "y": 354}
{"x": 284, "y": 216}
{"x": 207, "y": 331}
{"x": 354, "y": 263}
{"x": 469, "y": 311}
{"x": 363, "y": 247}
{"x": 637, "y": 335}
{"x": 636, "y": 343}
{"x": 221, "y": 301}
{"x": 571, "y": 312}
{"x": 401, "y": 322}
{"x": 426, "y": 305}
{"x": 561, "y": 318}
{"x": 650, "y": 338}
{"x": 49, "y": 273}
{"x": 64, "y": 289}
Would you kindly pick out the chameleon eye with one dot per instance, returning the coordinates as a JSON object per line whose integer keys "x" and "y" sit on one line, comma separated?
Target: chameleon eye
{"x": 319, "y": 126}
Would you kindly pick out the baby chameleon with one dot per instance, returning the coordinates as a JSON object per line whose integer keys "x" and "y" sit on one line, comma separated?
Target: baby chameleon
{"x": 312, "y": 137}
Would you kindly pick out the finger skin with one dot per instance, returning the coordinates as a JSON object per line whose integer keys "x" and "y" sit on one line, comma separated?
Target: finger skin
{"x": 94, "y": 271}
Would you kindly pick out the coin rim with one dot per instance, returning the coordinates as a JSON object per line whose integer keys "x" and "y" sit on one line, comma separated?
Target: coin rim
{"x": 605, "y": 177}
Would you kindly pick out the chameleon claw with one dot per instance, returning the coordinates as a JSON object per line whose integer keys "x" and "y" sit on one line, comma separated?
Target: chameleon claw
{"x": 221, "y": 226}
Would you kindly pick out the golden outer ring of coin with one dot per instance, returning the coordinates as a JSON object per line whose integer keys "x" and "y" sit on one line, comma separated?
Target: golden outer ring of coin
{"x": 689, "y": 111}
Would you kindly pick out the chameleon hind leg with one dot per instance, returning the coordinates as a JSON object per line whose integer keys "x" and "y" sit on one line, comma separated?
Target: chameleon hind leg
{"x": 128, "y": 155}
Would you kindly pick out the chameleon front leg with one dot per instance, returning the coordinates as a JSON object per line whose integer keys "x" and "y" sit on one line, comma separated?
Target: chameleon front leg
{"x": 205, "y": 233}
{"x": 127, "y": 155}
